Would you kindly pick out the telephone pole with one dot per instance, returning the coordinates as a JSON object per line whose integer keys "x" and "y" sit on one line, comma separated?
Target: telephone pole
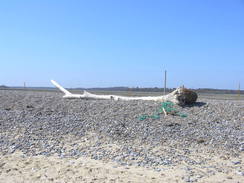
{"x": 239, "y": 90}
{"x": 165, "y": 81}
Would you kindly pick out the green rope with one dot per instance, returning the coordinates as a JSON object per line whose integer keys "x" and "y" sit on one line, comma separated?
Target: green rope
{"x": 168, "y": 107}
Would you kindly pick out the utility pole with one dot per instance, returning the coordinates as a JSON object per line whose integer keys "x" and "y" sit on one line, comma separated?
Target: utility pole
{"x": 24, "y": 85}
{"x": 165, "y": 81}
{"x": 239, "y": 90}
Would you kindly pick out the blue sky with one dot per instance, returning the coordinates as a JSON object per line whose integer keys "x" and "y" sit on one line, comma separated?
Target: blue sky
{"x": 106, "y": 43}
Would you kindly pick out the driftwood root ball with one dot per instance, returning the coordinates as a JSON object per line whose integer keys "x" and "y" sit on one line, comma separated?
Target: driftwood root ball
{"x": 187, "y": 97}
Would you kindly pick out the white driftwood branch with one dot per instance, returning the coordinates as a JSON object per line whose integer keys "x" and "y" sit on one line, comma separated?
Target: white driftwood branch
{"x": 177, "y": 96}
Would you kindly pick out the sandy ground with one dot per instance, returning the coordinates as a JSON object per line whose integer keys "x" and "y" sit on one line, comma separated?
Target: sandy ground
{"x": 17, "y": 168}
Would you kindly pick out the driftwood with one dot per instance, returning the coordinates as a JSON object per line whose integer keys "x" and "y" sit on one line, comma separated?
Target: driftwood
{"x": 180, "y": 96}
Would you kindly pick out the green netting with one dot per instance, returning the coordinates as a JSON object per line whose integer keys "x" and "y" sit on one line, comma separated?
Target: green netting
{"x": 168, "y": 107}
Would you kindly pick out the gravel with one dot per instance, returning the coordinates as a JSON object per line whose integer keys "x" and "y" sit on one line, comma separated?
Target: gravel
{"x": 43, "y": 123}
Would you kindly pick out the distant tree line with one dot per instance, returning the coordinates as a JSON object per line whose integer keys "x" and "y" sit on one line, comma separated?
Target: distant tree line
{"x": 137, "y": 89}
{"x": 156, "y": 89}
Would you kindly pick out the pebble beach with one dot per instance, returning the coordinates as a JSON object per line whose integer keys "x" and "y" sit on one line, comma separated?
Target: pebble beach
{"x": 45, "y": 138}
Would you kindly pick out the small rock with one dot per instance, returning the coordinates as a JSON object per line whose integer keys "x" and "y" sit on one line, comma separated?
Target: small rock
{"x": 200, "y": 141}
{"x": 240, "y": 173}
{"x": 29, "y": 107}
{"x": 236, "y": 162}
